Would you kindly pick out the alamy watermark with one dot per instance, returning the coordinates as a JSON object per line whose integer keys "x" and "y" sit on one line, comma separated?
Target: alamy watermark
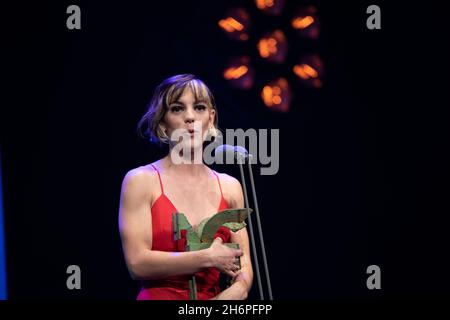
{"x": 74, "y": 20}
{"x": 374, "y": 20}
{"x": 263, "y": 147}
{"x": 74, "y": 280}
{"x": 374, "y": 280}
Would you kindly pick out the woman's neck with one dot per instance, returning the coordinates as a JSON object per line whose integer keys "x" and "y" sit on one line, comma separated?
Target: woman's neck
{"x": 188, "y": 168}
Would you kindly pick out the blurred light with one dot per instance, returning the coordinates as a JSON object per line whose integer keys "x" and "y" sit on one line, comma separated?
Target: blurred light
{"x": 306, "y": 22}
{"x": 273, "y": 46}
{"x": 239, "y": 73}
{"x": 310, "y": 70}
{"x": 271, "y": 7}
{"x": 302, "y": 22}
{"x": 236, "y": 24}
{"x": 276, "y": 95}
{"x": 3, "y": 291}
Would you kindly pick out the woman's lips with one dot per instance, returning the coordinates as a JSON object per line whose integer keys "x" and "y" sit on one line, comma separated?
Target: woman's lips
{"x": 192, "y": 131}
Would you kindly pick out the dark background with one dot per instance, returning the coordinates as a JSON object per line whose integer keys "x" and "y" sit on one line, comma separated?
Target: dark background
{"x": 363, "y": 173}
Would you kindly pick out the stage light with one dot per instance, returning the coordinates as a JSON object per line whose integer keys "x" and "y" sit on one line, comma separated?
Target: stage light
{"x": 271, "y": 7}
{"x": 306, "y": 22}
{"x": 310, "y": 70}
{"x": 3, "y": 290}
{"x": 239, "y": 73}
{"x": 273, "y": 46}
{"x": 276, "y": 95}
{"x": 236, "y": 23}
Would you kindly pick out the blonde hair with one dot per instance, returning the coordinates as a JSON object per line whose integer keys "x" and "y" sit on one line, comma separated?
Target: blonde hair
{"x": 169, "y": 91}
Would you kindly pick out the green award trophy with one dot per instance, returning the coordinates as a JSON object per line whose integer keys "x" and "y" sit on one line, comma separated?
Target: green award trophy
{"x": 202, "y": 237}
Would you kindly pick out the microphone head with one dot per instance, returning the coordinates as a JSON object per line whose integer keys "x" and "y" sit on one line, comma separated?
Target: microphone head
{"x": 235, "y": 152}
{"x": 241, "y": 151}
{"x": 224, "y": 149}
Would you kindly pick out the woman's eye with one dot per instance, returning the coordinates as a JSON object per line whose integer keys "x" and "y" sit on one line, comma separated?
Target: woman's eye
{"x": 200, "y": 107}
{"x": 175, "y": 109}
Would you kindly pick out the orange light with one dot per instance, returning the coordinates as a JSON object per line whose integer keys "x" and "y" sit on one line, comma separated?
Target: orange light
{"x": 273, "y": 46}
{"x": 276, "y": 99}
{"x": 239, "y": 73}
{"x": 235, "y": 73}
{"x": 306, "y": 22}
{"x": 270, "y": 7}
{"x": 263, "y": 4}
{"x": 277, "y": 95}
{"x": 231, "y": 25}
{"x": 302, "y": 22}
{"x": 276, "y": 90}
{"x": 235, "y": 23}
{"x": 305, "y": 71}
{"x": 267, "y": 96}
{"x": 310, "y": 70}
{"x": 267, "y": 47}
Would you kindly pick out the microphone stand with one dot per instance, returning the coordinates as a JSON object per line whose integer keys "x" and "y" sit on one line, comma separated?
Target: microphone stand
{"x": 241, "y": 158}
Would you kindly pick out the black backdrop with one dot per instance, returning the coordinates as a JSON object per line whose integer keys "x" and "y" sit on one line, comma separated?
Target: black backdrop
{"x": 363, "y": 173}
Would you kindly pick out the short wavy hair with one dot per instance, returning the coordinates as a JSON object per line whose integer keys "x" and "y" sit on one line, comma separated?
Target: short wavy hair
{"x": 169, "y": 91}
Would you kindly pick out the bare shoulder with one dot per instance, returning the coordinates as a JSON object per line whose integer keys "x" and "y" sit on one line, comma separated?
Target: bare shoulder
{"x": 141, "y": 181}
{"x": 229, "y": 181}
{"x": 231, "y": 188}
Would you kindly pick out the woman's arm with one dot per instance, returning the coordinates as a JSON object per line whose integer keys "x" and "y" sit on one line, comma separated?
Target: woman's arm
{"x": 135, "y": 225}
{"x": 244, "y": 279}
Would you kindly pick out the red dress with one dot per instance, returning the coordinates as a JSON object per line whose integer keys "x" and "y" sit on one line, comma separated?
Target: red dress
{"x": 176, "y": 287}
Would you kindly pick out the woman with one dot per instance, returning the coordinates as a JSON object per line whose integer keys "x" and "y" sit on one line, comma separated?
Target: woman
{"x": 152, "y": 193}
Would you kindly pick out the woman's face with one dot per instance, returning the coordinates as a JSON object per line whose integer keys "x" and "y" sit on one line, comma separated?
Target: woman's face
{"x": 189, "y": 118}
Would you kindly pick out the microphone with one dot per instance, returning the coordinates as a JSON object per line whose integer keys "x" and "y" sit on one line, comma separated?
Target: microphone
{"x": 237, "y": 152}
{"x": 241, "y": 154}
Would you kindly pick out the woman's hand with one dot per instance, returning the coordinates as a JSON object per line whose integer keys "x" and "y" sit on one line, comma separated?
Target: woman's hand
{"x": 224, "y": 258}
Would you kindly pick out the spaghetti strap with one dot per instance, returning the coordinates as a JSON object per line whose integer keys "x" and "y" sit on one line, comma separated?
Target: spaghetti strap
{"x": 218, "y": 180}
{"x": 159, "y": 177}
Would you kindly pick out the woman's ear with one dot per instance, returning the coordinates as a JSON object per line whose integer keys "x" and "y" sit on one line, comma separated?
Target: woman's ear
{"x": 212, "y": 116}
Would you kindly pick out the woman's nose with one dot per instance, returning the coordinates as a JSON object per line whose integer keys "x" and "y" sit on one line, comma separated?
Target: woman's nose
{"x": 189, "y": 114}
